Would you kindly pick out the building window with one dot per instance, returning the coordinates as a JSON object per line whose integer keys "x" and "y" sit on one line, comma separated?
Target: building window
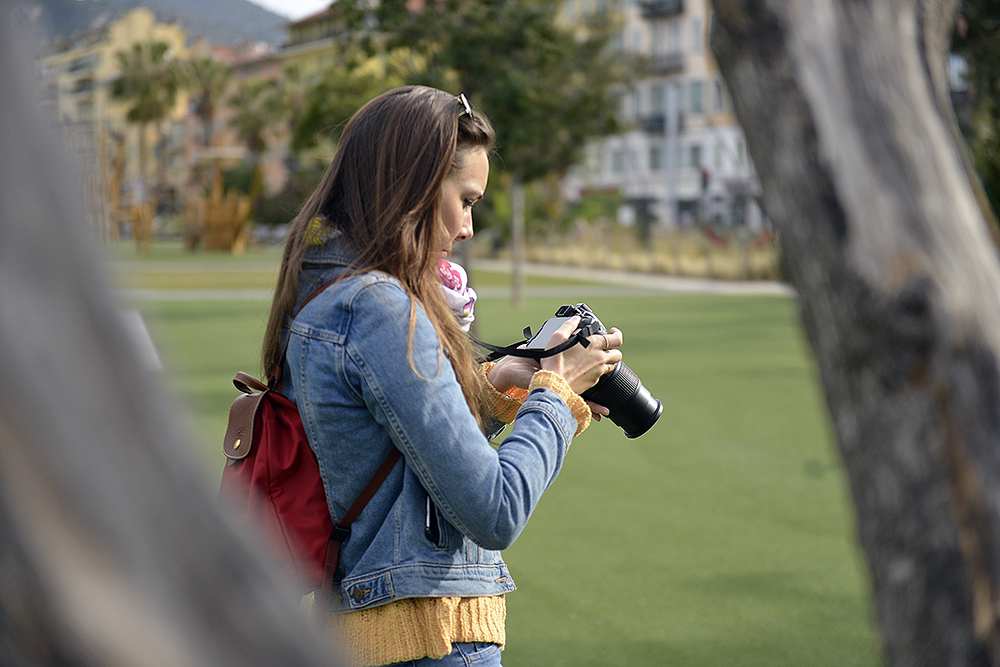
{"x": 958, "y": 72}
{"x": 658, "y": 38}
{"x": 695, "y": 152}
{"x": 740, "y": 153}
{"x": 717, "y": 158}
{"x": 617, "y": 43}
{"x": 568, "y": 10}
{"x": 618, "y": 161}
{"x": 696, "y": 33}
{"x": 619, "y": 99}
{"x": 655, "y": 158}
{"x": 658, "y": 99}
{"x": 718, "y": 95}
{"x": 697, "y": 97}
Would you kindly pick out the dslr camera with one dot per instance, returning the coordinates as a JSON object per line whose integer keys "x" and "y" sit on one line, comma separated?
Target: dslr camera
{"x": 631, "y": 405}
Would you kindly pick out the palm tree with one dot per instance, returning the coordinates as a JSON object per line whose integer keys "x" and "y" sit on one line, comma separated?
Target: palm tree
{"x": 257, "y": 107}
{"x": 150, "y": 81}
{"x": 208, "y": 79}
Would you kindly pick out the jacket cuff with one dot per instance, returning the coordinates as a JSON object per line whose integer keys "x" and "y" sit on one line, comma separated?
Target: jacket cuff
{"x": 555, "y": 382}
{"x": 502, "y": 406}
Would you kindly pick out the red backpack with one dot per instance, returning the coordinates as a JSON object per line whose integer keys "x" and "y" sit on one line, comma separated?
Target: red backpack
{"x": 272, "y": 479}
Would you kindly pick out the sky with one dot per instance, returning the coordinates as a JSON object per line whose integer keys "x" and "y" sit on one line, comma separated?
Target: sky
{"x": 293, "y": 9}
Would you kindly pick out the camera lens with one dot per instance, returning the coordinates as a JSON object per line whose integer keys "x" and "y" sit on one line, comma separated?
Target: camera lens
{"x": 631, "y": 405}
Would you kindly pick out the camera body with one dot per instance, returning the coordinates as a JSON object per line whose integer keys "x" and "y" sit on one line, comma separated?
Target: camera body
{"x": 589, "y": 325}
{"x": 631, "y": 405}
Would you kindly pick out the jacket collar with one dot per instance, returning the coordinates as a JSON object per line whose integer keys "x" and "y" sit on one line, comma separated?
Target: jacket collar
{"x": 335, "y": 250}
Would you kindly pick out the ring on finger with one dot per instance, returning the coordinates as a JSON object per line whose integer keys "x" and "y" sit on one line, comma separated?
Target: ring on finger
{"x": 607, "y": 345}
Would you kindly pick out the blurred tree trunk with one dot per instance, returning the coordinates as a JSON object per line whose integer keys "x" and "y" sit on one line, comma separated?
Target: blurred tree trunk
{"x": 846, "y": 111}
{"x": 113, "y": 549}
{"x": 518, "y": 243}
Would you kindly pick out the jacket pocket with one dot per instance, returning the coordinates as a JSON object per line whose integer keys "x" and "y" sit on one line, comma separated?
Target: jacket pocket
{"x": 435, "y": 528}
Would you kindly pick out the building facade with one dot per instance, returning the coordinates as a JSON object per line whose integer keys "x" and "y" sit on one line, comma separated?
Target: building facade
{"x": 76, "y": 75}
{"x": 681, "y": 159}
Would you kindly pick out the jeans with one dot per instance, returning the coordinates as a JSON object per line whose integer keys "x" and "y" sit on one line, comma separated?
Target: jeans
{"x": 462, "y": 655}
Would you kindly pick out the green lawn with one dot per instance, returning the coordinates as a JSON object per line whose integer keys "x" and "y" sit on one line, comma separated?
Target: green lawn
{"x": 721, "y": 537}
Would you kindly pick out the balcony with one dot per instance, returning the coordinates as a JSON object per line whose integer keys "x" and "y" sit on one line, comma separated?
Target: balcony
{"x": 654, "y": 124}
{"x": 82, "y": 86}
{"x": 658, "y": 9}
{"x": 657, "y": 124}
{"x": 667, "y": 63}
{"x": 84, "y": 63}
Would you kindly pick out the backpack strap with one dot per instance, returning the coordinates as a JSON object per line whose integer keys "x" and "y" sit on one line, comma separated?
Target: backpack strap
{"x": 274, "y": 377}
{"x": 343, "y": 530}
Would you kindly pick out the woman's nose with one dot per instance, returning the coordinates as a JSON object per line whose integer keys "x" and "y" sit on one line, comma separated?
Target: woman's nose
{"x": 466, "y": 232}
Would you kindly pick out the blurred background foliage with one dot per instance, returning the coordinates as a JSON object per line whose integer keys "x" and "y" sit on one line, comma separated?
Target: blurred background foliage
{"x": 977, "y": 41}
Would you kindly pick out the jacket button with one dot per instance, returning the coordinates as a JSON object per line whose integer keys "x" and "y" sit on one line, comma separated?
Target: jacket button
{"x": 360, "y": 593}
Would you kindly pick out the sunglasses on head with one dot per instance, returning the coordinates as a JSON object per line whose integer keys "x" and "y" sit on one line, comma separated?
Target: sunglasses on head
{"x": 466, "y": 107}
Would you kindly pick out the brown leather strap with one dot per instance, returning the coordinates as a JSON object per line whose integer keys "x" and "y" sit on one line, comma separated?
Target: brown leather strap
{"x": 247, "y": 383}
{"x": 343, "y": 530}
{"x": 373, "y": 486}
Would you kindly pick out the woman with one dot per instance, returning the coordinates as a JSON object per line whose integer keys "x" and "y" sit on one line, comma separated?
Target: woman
{"x": 378, "y": 360}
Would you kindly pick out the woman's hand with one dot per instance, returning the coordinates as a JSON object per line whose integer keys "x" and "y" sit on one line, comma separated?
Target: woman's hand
{"x": 512, "y": 372}
{"x": 581, "y": 366}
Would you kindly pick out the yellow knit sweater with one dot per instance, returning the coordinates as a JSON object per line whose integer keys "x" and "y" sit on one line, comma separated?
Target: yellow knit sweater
{"x": 415, "y": 628}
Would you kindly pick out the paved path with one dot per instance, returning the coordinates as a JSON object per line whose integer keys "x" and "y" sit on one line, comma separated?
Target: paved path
{"x": 593, "y": 282}
{"x": 646, "y": 282}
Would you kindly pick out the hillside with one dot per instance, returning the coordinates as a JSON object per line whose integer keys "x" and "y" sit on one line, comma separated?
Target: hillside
{"x": 221, "y": 21}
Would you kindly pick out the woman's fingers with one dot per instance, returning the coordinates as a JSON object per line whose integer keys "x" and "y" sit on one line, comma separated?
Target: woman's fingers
{"x": 598, "y": 410}
{"x": 607, "y": 341}
{"x": 581, "y": 366}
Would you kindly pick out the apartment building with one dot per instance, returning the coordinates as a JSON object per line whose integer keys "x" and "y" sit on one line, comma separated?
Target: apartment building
{"x": 682, "y": 159}
{"x": 76, "y": 75}
{"x": 311, "y": 46}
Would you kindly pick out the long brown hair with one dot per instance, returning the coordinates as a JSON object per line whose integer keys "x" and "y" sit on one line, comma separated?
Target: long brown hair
{"x": 382, "y": 191}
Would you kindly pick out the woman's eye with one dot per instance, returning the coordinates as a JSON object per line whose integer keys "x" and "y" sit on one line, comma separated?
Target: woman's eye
{"x": 468, "y": 203}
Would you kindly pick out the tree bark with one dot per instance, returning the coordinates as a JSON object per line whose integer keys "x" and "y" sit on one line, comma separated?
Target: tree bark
{"x": 517, "y": 243}
{"x": 113, "y": 549}
{"x": 846, "y": 111}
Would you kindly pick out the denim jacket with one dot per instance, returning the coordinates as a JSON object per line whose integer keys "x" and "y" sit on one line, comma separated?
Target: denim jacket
{"x": 436, "y": 525}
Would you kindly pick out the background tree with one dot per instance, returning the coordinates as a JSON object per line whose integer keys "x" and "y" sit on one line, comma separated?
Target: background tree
{"x": 207, "y": 79}
{"x": 149, "y": 82}
{"x": 548, "y": 87}
{"x": 329, "y": 102}
{"x": 847, "y": 114}
{"x": 258, "y": 107}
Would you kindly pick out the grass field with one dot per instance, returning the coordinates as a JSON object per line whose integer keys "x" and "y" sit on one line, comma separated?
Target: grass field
{"x": 721, "y": 537}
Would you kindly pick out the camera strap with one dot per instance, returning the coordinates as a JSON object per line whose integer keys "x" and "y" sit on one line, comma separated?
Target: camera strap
{"x": 515, "y": 350}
